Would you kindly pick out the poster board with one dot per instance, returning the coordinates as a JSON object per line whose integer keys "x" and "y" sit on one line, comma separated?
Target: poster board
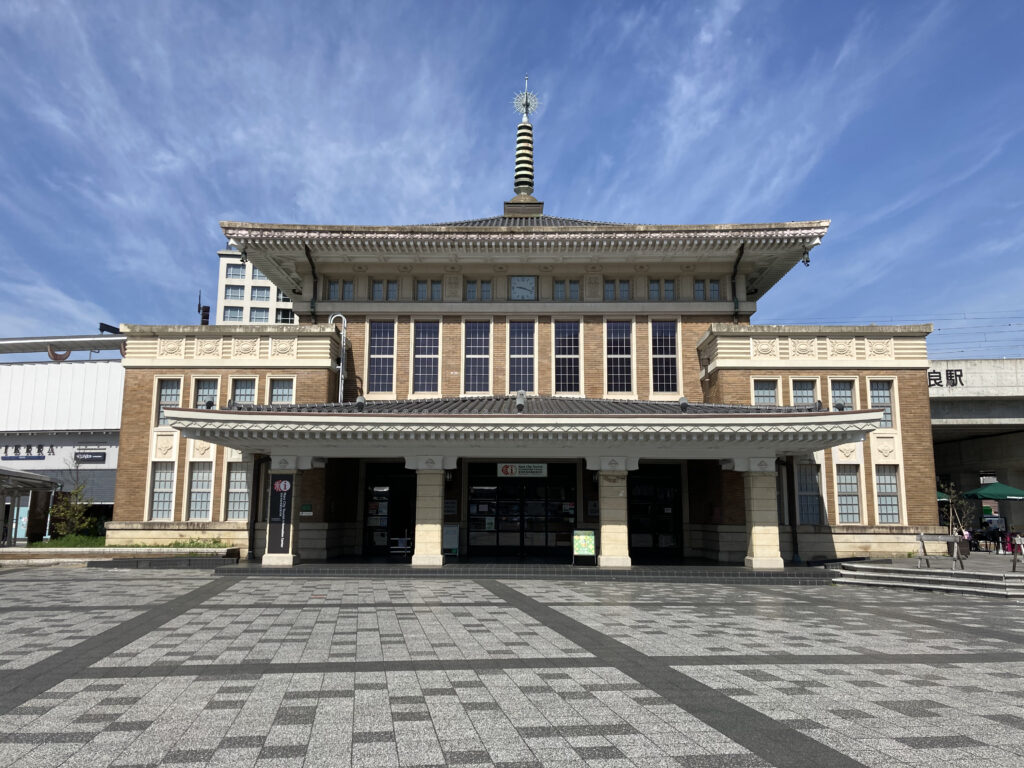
{"x": 584, "y": 544}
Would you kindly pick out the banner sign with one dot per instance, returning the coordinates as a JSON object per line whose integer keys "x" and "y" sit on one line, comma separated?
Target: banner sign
{"x": 279, "y": 528}
{"x": 522, "y": 470}
{"x": 583, "y": 544}
{"x": 90, "y": 457}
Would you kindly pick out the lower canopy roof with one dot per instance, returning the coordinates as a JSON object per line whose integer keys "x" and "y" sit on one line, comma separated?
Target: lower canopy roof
{"x": 507, "y": 426}
{"x": 15, "y": 482}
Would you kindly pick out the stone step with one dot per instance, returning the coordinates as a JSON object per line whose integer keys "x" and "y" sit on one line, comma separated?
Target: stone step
{"x": 980, "y": 576}
{"x": 962, "y": 582}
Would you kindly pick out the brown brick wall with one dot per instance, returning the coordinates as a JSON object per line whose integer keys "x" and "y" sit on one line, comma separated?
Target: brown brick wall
{"x": 499, "y": 355}
{"x": 544, "y": 383}
{"x": 451, "y": 351}
{"x": 592, "y": 364}
{"x": 138, "y": 417}
{"x": 641, "y": 358}
{"x": 403, "y": 357}
{"x": 913, "y": 418}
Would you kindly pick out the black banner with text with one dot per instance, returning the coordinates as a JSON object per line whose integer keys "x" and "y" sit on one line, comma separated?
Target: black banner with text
{"x": 279, "y": 528}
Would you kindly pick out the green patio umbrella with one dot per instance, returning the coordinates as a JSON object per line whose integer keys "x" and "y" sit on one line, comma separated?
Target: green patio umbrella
{"x": 996, "y": 492}
{"x": 942, "y": 496}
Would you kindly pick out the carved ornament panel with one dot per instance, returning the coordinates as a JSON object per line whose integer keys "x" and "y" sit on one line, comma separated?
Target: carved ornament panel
{"x": 163, "y": 447}
{"x": 208, "y": 348}
{"x": 170, "y": 348}
{"x": 803, "y": 348}
{"x": 283, "y": 347}
{"x": 764, "y": 348}
{"x": 841, "y": 348}
{"x": 248, "y": 347}
{"x": 880, "y": 348}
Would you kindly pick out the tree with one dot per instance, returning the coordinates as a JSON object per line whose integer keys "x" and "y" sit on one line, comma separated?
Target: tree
{"x": 68, "y": 512}
{"x": 962, "y": 511}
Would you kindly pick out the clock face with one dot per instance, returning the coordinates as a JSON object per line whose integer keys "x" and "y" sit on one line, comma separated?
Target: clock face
{"x": 522, "y": 288}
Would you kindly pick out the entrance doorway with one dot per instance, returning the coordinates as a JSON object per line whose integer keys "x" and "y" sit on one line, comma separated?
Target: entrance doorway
{"x": 390, "y": 511}
{"x": 514, "y": 516}
{"x": 655, "y": 513}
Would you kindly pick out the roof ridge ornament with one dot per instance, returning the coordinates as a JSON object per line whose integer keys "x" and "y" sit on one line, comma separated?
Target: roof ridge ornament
{"x": 524, "y": 203}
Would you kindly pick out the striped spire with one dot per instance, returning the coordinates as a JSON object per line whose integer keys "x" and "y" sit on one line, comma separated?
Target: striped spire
{"x": 524, "y": 158}
{"x": 524, "y": 204}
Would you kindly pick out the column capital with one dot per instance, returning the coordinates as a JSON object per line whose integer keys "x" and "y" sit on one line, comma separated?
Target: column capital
{"x": 283, "y": 463}
{"x": 431, "y": 462}
{"x": 750, "y": 464}
{"x": 612, "y": 463}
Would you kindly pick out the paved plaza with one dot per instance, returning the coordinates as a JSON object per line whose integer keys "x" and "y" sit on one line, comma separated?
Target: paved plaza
{"x": 129, "y": 668}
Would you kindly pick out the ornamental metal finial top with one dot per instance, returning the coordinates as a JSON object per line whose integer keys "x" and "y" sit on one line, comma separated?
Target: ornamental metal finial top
{"x": 526, "y": 102}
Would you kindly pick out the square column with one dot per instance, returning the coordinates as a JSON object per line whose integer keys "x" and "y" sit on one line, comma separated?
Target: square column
{"x": 762, "y": 520}
{"x": 614, "y": 520}
{"x": 429, "y": 516}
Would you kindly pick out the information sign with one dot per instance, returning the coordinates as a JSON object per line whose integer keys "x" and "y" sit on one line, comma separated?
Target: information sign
{"x": 279, "y": 529}
{"x": 522, "y": 470}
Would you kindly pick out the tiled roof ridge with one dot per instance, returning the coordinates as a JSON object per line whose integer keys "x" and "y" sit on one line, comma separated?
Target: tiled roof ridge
{"x": 506, "y": 405}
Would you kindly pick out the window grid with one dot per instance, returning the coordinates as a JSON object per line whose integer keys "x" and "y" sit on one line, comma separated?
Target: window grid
{"x": 477, "y": 356}
{"x": 881, "y": 397}
{"x": 707, "y": 290}
{"x": 281, "y": 391}
{"x": 619, "y": 348}
{"x": 259, "y": 315}
{"x": 348, "y": 290}
{"x": 200, "y": 481}
{"x": 714, "y": 290}
{"x": 804, "y": 392}
{"x": 169, "y": 396}
{"x": 243, "y": 390}
{"x": 161, "y": 490}
{"x": 808, "y": 494}
{"x": 766, "y": 392}
{"x": 663, "y": 356}
{"x": 847, "y": 487}
{"x": 235, "y": 272}
{"x": 567, "y": 356}
{"x": 567, "y": 290}
{"x": 616, "y": 290}
{"x": 238, "y": 491}
{"x": 260, "y": 293}
{"x": 887, "y": 485}
{"x": 206, "y": 391}
{"x": 284, "y": 316}
{"x": 842, "y": 395}
{"x": 384, "y": 290}
{"x": 478, "y": 290}
{"x": 257, "y": 274}
{"x": 428, "y": 290}
{"x": 661, "y": 290}
{"x": 520, "y": 355}
{"x": 281, "y": 296}
{"x": 233, "y": 314}
{"x": 333, "y": 291}
{"x": 426, "y": 355}
{"x": 382, "y": 356}
{"x": 234, "y": 292}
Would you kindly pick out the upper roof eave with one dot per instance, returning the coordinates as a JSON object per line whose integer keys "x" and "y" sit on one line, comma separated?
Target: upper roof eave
{"x": 253, "y": 232}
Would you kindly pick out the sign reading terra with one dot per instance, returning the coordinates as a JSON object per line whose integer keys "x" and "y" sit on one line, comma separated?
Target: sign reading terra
{"x": 279, "y": 528}
{"x": 522, "y": 470}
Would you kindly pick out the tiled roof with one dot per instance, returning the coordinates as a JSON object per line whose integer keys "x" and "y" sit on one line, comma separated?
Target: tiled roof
{"x": 525, "y": 221}
{"x": 533, "y": 406}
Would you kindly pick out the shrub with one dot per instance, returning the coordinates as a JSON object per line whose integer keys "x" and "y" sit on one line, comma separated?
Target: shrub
{"x": 68, "y": 513}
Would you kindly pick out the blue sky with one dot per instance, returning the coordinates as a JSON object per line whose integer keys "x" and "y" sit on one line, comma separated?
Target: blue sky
{"x": 131, "y": 128}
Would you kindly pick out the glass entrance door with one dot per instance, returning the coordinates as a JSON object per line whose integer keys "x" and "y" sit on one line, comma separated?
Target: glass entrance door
{"x": 655, "y": 512}
{"x": 521, "y": 516}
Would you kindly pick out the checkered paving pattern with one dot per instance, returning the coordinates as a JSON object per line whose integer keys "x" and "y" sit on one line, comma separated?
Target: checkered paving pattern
{"x": 145, "y": 669}
{"x": 703, "y": 620}
{"x": 595, "y": 716}
{"x": 891, "y": 715}
{"x": 370, "y": 633}
{"x": 29, "y": 637}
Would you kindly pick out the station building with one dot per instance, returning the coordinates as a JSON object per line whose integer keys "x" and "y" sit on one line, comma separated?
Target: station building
{"x": 487, "y": 387}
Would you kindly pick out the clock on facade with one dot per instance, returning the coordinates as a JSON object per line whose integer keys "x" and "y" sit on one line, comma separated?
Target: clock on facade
{"x": 522, "y": 288}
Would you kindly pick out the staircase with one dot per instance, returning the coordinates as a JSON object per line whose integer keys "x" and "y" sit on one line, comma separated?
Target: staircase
{"x": 1009, "y": 585}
